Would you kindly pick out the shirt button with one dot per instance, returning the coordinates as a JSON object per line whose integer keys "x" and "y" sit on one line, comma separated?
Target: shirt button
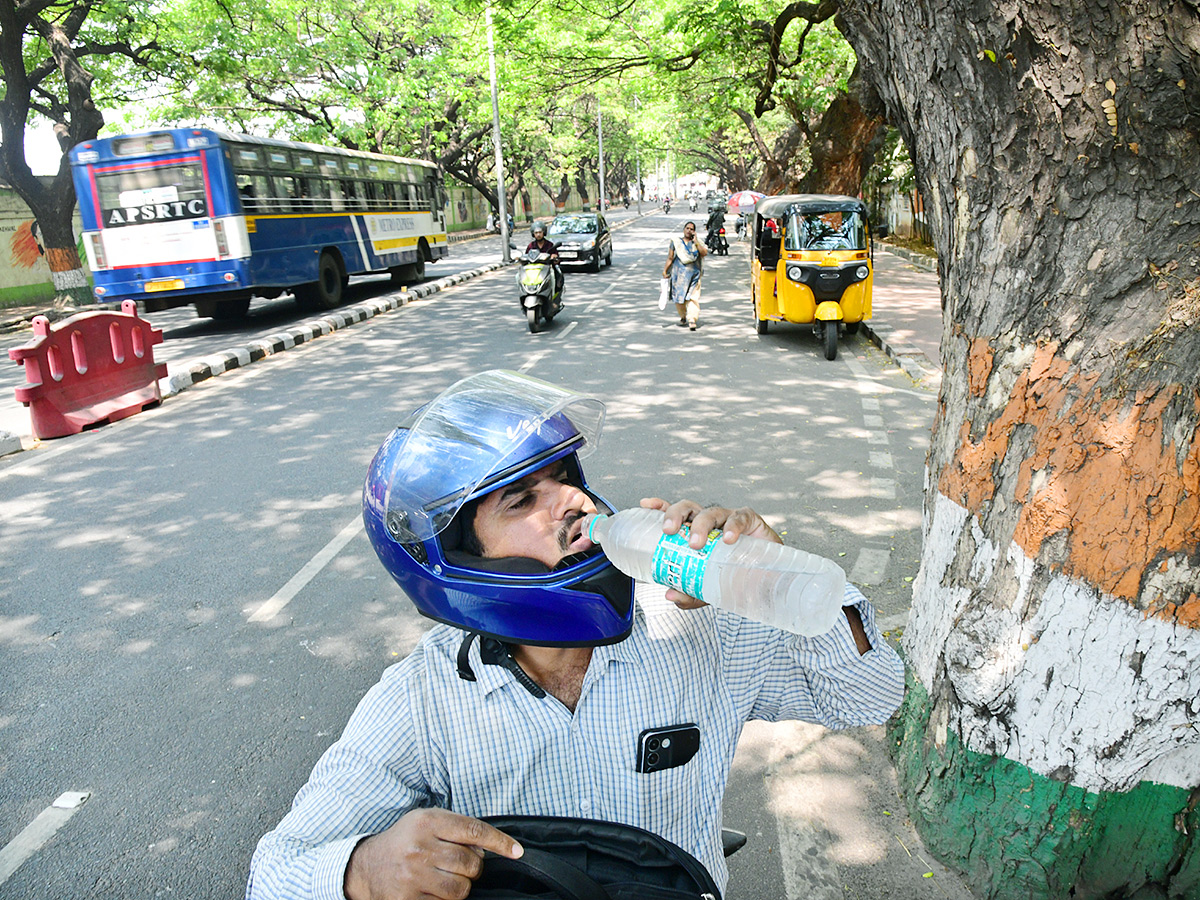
{"x": 585, "y": 805}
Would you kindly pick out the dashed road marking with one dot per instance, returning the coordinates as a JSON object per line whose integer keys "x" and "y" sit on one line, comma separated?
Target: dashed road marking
{"x": 39, "y": 831}
{"x": 307, "y": 573}
{"x": 871, "y": 566}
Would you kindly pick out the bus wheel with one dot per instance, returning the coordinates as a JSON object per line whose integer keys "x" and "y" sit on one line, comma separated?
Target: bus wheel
{"x": 327, "y": 289}
{"x": 230, "y": 310}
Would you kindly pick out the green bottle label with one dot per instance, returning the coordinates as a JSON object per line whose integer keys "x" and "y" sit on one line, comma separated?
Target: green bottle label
{"x": 679, "y": 566}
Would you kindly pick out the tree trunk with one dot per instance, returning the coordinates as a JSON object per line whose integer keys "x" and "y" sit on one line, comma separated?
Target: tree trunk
{"x": 1050, "y": 744}
{"x": 842, "y": 148}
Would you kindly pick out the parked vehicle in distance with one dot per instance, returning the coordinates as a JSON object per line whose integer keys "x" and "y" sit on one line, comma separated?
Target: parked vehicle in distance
{"x": 582, "y": 238}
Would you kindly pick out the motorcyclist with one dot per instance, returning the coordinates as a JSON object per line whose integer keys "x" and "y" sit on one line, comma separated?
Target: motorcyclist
{"x": 529, "y": 698}
{"x": 547, "y": 247}
{"x": 716, "y": 221}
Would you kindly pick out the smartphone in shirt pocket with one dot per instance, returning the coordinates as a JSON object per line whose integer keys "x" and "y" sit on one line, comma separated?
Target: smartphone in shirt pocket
{"x": 666, "y": 748}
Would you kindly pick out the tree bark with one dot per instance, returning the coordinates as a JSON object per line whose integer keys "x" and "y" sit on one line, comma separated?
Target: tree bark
{"x": 76, "y": 118}
{"x": 1053, "y": 732}
{"x": 844, "y": 145}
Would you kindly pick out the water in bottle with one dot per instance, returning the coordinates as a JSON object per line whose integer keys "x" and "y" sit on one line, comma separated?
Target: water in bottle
{"x": 758, "y": 579}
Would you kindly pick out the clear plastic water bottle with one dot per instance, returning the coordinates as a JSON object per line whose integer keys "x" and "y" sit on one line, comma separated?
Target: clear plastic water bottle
{"x": 761, "y": 580}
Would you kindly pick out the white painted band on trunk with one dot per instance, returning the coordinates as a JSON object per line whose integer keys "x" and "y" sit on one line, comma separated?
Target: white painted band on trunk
{"x": 68, "y": 279}
{"x": 1070, "y": 682}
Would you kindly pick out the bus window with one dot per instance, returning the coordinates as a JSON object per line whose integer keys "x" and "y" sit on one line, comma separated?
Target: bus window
{"x": 350, "y": 190}
{"x": 246, "y": 159}
{"x": 286, "y": 192}
{"x": 318, "y": 193}
{"x": 337, "y": 199}
{"x": 245, "y": 189}
{"x": 151, "y": 193}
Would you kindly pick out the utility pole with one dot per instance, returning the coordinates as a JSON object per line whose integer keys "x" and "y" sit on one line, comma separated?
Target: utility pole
{"x": 500, "y": 194}
{"x": 600, "y": 144}
{"x": 637, "y": 158}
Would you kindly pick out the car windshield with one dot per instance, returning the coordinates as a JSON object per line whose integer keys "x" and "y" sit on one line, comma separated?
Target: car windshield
{"x": 830, "y": 230}
{"x": 573, "y": 225}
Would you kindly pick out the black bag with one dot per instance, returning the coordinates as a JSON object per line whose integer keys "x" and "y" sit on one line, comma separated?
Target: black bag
{"x": 585, "y": 859}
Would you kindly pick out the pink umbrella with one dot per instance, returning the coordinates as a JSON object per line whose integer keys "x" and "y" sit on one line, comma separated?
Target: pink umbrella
{"x": 745, "y": 198}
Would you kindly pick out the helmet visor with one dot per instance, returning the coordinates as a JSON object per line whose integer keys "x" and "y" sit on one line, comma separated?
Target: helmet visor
{"x": 478, "y": 435}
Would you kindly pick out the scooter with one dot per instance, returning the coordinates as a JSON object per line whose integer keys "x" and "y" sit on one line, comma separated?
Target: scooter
{"x": 667, "y": 205}
{"x": 717, "y": 242}
{"x": 541, "y": 291}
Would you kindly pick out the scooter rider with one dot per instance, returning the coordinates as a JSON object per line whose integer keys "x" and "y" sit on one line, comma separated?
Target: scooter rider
{"x": 531, "y": 695}
{"x": 544, "y": 245}
{"x": 716, "y": 221}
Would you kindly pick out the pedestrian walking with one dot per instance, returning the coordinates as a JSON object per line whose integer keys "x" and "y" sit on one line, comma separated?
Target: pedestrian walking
{"x": 685, "y": 260}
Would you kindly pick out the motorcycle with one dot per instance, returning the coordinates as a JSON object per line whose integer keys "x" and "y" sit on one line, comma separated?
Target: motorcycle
{"x": 541, "y": 289}
{"x": 667, "y": 205}
{"x": 716, "y": 241}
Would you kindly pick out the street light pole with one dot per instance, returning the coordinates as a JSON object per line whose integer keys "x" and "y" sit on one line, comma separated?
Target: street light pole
{"x": 600, "y": 144}
{"x": 637, "y": 158}
{"x": 500, "y": 194}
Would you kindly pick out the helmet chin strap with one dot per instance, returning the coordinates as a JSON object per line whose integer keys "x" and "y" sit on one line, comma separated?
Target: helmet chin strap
{"x": 494, "y": 653}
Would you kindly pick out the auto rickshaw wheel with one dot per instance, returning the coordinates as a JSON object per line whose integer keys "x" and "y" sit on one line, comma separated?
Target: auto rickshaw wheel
{"x": 852, "y": 327}
{"x": 760, "y": 326}
{"x": 830, "y": 335}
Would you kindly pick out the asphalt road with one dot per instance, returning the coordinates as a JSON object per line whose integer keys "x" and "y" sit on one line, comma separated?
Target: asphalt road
{"x": 140, "y": 560}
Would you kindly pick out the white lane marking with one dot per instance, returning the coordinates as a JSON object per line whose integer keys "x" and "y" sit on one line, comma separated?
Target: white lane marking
{"x": 307, "y": 573}
{"x": 883, "y": 488}
{"x": 531, "y": 362}
{"x": 880, "y": 459}
{"x": 39, "y": 831}
{"x": 562, "y": 334}
{"x": 870, "y": 567}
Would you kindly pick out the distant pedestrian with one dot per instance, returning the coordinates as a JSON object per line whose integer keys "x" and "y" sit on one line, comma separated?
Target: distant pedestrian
{"x": 685, "y": 260}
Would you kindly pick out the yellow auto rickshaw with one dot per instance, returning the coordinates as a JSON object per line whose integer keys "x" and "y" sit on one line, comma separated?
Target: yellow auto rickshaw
{"x": 811, "y": 264}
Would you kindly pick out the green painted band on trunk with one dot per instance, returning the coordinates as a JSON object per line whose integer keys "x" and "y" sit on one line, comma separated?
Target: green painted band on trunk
{"x": 1016, "y": 834}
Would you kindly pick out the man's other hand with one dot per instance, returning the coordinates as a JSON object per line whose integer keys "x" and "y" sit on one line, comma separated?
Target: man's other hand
{"x": 427, "y": 853}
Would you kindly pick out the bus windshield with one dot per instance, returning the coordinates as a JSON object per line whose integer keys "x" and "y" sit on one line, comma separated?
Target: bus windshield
{"x": 151, "y": 194}
{"x": 828, "y": 230}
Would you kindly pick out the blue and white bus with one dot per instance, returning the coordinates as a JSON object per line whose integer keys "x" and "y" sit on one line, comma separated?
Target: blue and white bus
{"x": 193, "y": 216}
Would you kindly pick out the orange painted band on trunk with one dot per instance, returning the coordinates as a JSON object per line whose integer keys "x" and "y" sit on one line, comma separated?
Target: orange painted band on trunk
{"x": 1098, "y": 470}
{"x": 62, "y": 259}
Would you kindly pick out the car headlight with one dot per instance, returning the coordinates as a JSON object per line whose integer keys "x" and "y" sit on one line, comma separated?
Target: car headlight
{"x": 862, "y": 272}
{"x": 588, "y": 245}
{"x": 795, "y": 273}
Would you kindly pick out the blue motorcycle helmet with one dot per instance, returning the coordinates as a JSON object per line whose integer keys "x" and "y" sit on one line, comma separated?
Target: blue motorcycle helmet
{"x": 479, "y": 435}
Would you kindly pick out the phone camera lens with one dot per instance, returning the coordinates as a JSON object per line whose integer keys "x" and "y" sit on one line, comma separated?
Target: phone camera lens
{"x": 652, "y": 743}
{"x": 652, "y": 759}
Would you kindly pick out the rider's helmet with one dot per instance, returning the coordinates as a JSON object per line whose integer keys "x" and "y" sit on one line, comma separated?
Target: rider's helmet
{"x": 480, "y": 434}
{"x": 538, "y": 229}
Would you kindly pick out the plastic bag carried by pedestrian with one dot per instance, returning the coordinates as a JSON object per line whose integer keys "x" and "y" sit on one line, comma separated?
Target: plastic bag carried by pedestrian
{"x": 664, "y": 293}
